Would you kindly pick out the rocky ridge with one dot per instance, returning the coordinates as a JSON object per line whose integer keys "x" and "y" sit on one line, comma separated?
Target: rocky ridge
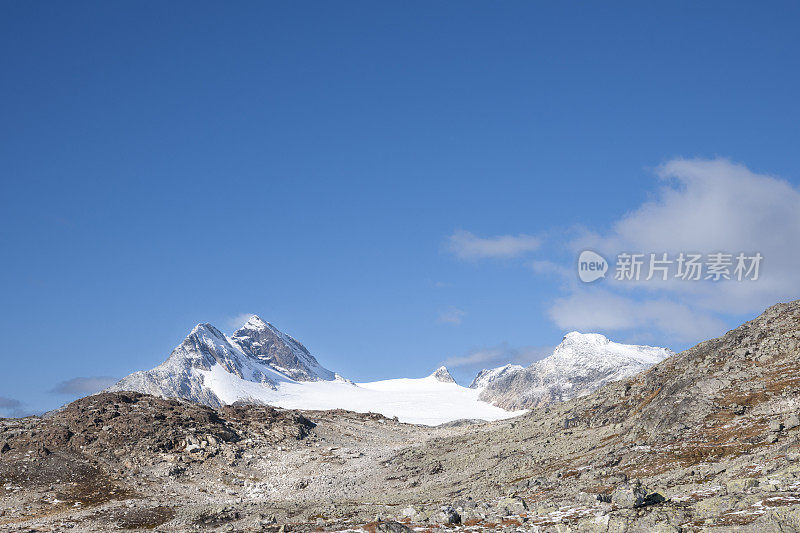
{"x": 488, "y": 375}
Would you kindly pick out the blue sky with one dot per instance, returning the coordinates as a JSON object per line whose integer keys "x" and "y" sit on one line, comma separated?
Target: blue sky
{"x": 395, "y": 184}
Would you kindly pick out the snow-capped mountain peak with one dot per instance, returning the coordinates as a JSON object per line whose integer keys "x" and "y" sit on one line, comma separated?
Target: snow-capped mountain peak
{"x": 589, "y": 349}
{"x": 576, "y": 337}
{"x": 204, "y": 349}
{"x": 257, "y": 353}
{"x": 443, "y": 375}
{"x": 281, "y": 352}
{"x": 254, "y": 322}
{"x": 582, "y": 363}
{"x": 206, "y": 346}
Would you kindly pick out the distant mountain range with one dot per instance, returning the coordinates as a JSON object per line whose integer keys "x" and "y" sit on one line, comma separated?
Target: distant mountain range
{"x": 581, "y": 364}
{"x": 260, "y": 364}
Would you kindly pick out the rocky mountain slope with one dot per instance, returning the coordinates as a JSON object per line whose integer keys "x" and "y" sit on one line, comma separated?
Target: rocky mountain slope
{"x": 582, "y": 363}
{"x": 489, "y": 375}
{"x": 279, "y": 351}
{"x": 204, "y": 349}
{"x": 706, "y": 440}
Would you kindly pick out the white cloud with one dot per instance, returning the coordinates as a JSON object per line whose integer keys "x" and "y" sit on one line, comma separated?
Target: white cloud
{"x": 604, "y": 311}
{"x": 703, "y": 206}
{"x": 83, "y": 386}
{"x": 451, "y": 316}
{"x": 708, "y": 206}
{"x": 500, "y": 355}
{"x": 12, "y": 407}
{"x": 477, "y": 357}
{"x": 237, "y": 321}
{"x": 466, "y": 245}
{"x": 9, "y": 403}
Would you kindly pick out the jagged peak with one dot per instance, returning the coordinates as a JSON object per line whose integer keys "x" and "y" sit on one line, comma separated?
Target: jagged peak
{"x": 443, "y": 375}
{"x": 283, "y": 353}
{"x": 255, "y": 322}
{"x": 206, "y": 328}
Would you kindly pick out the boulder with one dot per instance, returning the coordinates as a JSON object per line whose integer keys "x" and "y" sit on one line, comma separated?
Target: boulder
{"x": 635, "y": 495}
{"x": 512, "y": 506}
{"x": 409, "y": 512}
{"x": 791, "y": 422}
{"x": 741, "y": 485}
{"x": 446, "y": 516}
{"x": 392, "y": 527}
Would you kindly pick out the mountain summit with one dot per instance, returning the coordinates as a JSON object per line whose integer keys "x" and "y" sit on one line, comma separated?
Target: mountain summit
{"x": 443, "y": 375}
{"x": 258, "y": 353}
{"x": 582, "y": 363}
{"x": 279, "y": 351}
{"x": 259, "y": 364}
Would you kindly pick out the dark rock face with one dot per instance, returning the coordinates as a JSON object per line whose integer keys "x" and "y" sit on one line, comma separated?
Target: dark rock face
{"x": 488, "y": 375}
{"x": 392, "y": 527}
{"x": 266, "y": 343}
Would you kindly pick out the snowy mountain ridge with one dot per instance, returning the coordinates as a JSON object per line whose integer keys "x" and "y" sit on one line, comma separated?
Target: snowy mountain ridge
{"x": 260, "y": 364}
{"x": 488, "y": 375}
{"x": 581, "y": 364}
